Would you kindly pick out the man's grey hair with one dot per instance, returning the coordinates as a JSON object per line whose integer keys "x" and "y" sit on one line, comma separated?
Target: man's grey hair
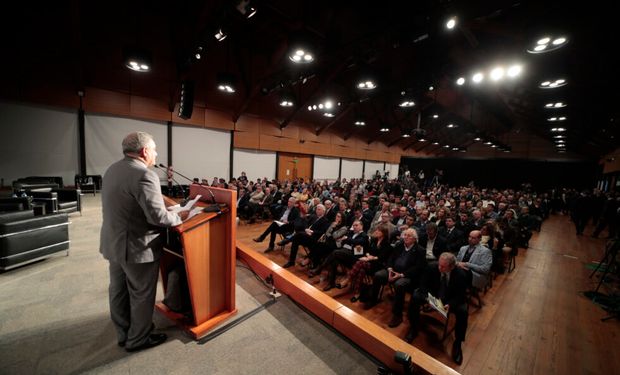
{"x": 136, "y": 141}
{"x": 449, "y": 257}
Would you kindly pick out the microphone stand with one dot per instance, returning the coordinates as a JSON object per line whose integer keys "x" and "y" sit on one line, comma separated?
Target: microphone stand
{"x": 184, "y": 202}
{"x": 214, "y": 207}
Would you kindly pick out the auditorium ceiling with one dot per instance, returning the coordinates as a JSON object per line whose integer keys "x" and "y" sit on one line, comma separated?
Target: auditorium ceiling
{"x": 399, "y": 51}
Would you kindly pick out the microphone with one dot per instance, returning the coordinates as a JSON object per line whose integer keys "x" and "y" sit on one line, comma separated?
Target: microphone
{"x": 161, "y": 168}
{"x": 191, "y": 181}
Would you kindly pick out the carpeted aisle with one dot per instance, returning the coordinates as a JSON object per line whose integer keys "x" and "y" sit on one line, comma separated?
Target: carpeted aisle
{"x": 54, "y": 319}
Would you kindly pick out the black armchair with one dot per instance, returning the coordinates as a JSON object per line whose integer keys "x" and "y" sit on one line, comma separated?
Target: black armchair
{"x": 25, "y": 238}
{"x": 59, "y": 200}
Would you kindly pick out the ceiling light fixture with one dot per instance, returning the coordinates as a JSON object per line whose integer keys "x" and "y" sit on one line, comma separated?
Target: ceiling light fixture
{"x": 514, "y": 71}
{"x": 497, "y": 73}
{"x": 558, "y": 130}
{"x": 552, "y": 84}
{"x": 136, "y": 59}
{"x": 477, "y": 77}
{"x": 366, "y": 84}
{"x": 543, "y": 45}
{"x": 245, "y": 8}
{"x": 460, "y": 81}
{"x": 226, "y": 82}
{"x": 220, "y": 35}
{"x": 452, "y": 126}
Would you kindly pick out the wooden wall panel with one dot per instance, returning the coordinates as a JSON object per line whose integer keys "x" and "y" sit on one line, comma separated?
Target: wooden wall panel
{"x": 104, "y": 101}
{"x": 218, "y": 119}
{"x": 246, "y": 140}
{"x": 269, "y": 142}
{"x": 288, "y": 168}
{"x": 148, "y": 108}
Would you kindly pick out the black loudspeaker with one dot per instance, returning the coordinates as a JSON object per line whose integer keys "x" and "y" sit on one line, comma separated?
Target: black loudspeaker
{"x": 186, "y": 105}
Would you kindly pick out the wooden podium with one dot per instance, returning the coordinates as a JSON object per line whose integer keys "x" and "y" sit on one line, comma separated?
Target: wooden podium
{"x": 208, "y": 248}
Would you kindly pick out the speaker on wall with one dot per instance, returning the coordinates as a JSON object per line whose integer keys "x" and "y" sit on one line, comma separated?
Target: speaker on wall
{"x": 186, "y": 105}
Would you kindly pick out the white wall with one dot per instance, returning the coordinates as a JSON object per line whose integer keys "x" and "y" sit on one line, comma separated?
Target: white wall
{"x": 201, "y": 153}
{"x": 325, "y": 168}
{"x": 393, "y": 169}
{"x": 372, "y": 167}
{"x": 37, "y": 141}
{"x": 352, "y": 168}
{"x": 104, "y": 135}
{"x": 255, "y": 164}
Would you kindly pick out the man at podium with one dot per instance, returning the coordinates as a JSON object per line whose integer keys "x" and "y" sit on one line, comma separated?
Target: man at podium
{"x": 134, "y": 215}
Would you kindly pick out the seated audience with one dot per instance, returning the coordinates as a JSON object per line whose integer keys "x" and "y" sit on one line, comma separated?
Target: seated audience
{"x": 317, "y": 225}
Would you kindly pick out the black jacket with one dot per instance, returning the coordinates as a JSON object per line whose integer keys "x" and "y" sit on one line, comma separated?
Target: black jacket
{"x": 454, "y": 240}
{"x": 439, "y": 246}
{"x": 414, "y": 264}
{"x": 457, "y": 284}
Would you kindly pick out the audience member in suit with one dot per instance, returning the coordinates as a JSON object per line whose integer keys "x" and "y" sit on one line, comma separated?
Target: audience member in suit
{"x": 132, "y": 240}
{"x": 404, "y": 270}
{"x": 422, "y": 222}
{"x": 283, "y": 225}
{"x": 330, "y": 240}
{"x": 463, "y": 223}
{"x": 477, "y": 220}
{"x": 433, "y": 243}
{"x": 448, "y": 283}
{"x": 402, "y": 215}
{"x": 330, "y": 210}
{"x": 454, "y": 237}
{"x": 354, "y": 246}
{"x": 476, "y": 260}
{"x": 385, "y": 220}
{"x": 367, "y": 214}
{"x": 318, "y": 224}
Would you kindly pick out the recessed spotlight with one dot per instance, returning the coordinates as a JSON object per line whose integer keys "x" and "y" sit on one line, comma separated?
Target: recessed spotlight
{"x": 446, "y": 146}
{"x": 406, "y": 135}
{"x": 559, "y": 41}
{"x": 478, "y": 77}
{"x": 137, "y": 60}
{"x": 435, "y": 116}
{"x": 421, "y": 139}
{"x": 360, "y": 123}
{"x": 451, "y": 23}
{"x": 407, "y": 103}
{"x": 384, "y": 129}
{"x": 558, "y": 130}
{"x": 477, "y": 139}
{"x": 559, "y": 136}
{"x": 452, "y": 126}
{"x": 544, "y": 41}
{"x": 552, "y": 119}
{"x": 301, "y": 56}
{"x": 460, "y": 81}
{"x": 286, "y": 103}
{"x": 436, "y": 143}
{"x": 514, "y": 71}
{"x": 431, "y": 88}
{"x": 328, "y": 114}
{"x": 497, "y": 73}
{"x": 220, "y": 35}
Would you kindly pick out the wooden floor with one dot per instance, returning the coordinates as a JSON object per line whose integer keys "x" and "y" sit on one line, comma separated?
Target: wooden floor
{"x": 534, "y": 320}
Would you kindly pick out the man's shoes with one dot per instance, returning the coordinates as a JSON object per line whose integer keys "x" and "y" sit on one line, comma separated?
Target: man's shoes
{"x": 282, "y": 243}
{"x": 268, "y": 250}
{"x": 257, "y": 239}
{"x": 153, "y": 340}
{"x": 395, "y": 322}
{"x": 457, "y": 352}
{"x": 328, "y": 287}
{"x": 288, "y": 265}
{"x": 354, "y": 299}
{"x": 411, "y": 334}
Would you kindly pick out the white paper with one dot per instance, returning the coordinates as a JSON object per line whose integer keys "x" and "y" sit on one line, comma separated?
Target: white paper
{"x": 437, "y": 305}
{"x": 188, "y": 206}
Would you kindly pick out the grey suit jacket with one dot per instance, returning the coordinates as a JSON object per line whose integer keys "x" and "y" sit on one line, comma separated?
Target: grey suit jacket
{"x": 134, "y": 213}
{"x": 479, "y": 263}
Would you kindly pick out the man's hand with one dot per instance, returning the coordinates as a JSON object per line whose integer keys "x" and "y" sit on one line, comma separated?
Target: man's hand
{"x": 309, "y": 231}
{"x": 462, "y": 265}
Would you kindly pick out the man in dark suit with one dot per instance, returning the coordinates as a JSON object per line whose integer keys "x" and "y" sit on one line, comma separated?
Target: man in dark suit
{"x": 132, "y": 240}
{"x": 318, "y": 224}
{"x": 283, "y": 225}
{"x": 404, "y": 270}
{"x": 455, "y": 238}
{"x": 432, "y": 243}
{"x": 448, "y": 283}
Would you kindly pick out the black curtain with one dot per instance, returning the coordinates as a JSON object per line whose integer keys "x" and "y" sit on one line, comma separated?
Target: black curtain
{"x": 509, "y": 173}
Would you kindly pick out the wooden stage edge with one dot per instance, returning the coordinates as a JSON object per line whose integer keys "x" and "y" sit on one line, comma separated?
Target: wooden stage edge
{"x": 372, "y": 338}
